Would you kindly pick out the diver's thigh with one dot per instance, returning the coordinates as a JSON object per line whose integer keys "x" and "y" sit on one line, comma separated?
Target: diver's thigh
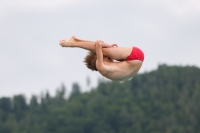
{"x": 117, "y": 53}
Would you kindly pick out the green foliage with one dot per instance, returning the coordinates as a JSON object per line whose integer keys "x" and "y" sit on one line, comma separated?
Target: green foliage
{"x": 165, "y": 100}
{"x": 76, "y": 90}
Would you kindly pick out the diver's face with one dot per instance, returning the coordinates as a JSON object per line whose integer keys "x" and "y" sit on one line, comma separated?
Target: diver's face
{"x": 105, "y": 58}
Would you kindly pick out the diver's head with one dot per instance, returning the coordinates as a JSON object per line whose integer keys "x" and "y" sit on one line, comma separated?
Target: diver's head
{"x": 90, "y": 61}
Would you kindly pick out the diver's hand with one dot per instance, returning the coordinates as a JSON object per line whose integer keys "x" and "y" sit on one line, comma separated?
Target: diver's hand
{"x": 104, "y": 45}
{"x": 114, "y": 45}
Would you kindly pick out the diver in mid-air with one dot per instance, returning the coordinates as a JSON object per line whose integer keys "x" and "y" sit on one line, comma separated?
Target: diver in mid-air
{"x": 113, "y": 62}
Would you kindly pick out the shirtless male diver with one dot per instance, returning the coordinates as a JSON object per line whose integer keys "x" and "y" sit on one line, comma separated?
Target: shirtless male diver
{"x": 101, "y": 56}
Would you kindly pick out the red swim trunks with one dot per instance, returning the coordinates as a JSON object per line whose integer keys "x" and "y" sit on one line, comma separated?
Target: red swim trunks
{"x": 136, "y": 54}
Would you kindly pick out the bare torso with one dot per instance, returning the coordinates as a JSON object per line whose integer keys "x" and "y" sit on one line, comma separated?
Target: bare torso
{"x": 124, "y": 69}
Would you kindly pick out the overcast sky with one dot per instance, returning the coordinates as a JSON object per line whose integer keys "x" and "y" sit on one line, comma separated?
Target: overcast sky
{"x": 31, "y": 60}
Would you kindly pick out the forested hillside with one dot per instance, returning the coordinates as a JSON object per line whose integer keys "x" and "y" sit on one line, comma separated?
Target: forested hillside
{"x": 166, "y": 100}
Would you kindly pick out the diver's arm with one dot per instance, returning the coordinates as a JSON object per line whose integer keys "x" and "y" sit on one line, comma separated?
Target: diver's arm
{"x": 101, "y": 67}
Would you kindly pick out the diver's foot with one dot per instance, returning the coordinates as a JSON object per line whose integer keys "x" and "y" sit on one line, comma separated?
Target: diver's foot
{"x": 75, "y": 39}
{"x": 67, "y": 43}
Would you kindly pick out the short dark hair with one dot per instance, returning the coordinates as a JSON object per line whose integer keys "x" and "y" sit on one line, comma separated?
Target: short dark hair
{"x": 90, "y": 61}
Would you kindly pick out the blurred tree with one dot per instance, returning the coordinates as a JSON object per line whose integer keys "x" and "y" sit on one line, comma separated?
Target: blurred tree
{"x": 47, "y": 97}
{"x": 76, "y": 90}
{"x": 60, "y": 92}
{"x": 19, "y": 106}
{"x": 5, "y": 104}
{"x": 5, "y": 108}
{"x": 33, "y": 103}
{"x": 88, "y": 81}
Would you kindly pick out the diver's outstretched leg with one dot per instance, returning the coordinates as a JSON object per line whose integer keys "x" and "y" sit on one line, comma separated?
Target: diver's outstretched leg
{"x": 88, "y": 45}
{"x": 79, "y": 40}
{"x": 75, "y": 42}
{"x": 109, "y": 51}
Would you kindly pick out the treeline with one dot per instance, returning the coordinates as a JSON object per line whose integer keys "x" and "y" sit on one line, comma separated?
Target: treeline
{"x": 166, "y": 100}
